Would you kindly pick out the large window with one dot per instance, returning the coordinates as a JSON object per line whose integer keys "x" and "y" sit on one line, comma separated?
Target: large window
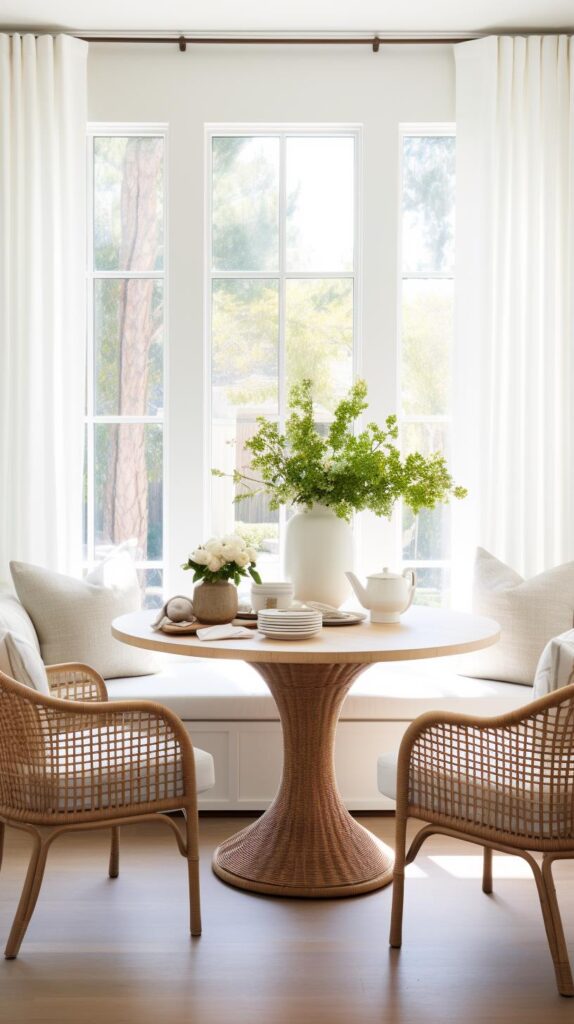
{"x": 123, "y": 499}
{"x": 282, "y": 296}
{"x": 427, "y": 264}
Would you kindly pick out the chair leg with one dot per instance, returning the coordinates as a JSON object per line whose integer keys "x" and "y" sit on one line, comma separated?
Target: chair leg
{"x": 396, "y": 933}
{"x": 558, "y": 947}
{"x": 192, "y": 834}
{"x": 487, "y": 871}
{"x": 114, "y": 868}
{"x": 29, "y": 895}
{"x": 2, "y": 835}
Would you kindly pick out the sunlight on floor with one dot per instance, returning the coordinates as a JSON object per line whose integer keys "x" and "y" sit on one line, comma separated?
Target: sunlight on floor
{"x": 471, "y": 867}
{"x": 414, "y": 871}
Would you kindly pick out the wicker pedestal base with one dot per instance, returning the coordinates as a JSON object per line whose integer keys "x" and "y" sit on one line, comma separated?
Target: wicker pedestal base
{"x": 306, "y": 843}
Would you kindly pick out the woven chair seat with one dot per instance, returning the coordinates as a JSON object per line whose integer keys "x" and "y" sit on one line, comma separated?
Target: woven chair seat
{"x": 531, "y": 810}
{"x": 93, "y": 769}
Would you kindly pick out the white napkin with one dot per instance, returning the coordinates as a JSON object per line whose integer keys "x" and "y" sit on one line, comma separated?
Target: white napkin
{"x": 329, "y": 612}
{"x": 225, "y": 632}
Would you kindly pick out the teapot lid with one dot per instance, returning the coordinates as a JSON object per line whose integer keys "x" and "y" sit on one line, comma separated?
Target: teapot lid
{"x": 386, "y": 574}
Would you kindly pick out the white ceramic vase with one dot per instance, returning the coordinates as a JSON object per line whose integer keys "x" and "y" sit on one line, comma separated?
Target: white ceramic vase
{"x": 318, "y": 553}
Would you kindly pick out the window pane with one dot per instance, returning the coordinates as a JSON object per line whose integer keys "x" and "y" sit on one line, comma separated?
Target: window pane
{"x": 251, "y": 518}
{"x": 433, "y": 587}
{"x": 427, "y": 328}
{"x": 425, "y": 437}
{"x": 245, "y": 203}
{"x": 319, "y": 337}
{"x": 245, "y": 345}
{"x": 245, "y": 370}
{"x": 151, "y": 583}
{"x": 128, "y": 203}
{"x": 129, "y": 487}
{"x": 426, "y": 537}
{"x": 428, "y": 203}
{"x": 320, "y": 203}
{"x": 128, "y": 347}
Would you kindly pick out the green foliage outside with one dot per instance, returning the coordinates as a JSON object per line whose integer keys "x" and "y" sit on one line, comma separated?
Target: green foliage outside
{"x": 345, "y": 471}
{"x": 254, "y": 534}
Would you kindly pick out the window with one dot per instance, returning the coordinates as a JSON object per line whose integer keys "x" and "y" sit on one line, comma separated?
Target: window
{"x": 427, "y": 265}
{"x": 123, "y": 492}
{"x": 282, "y": 296}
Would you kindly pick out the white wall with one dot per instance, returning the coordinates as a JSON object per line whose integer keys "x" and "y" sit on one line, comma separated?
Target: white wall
{"x": 297, "y": 85}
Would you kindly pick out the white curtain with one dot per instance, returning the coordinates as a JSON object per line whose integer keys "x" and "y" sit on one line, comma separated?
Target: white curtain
{"x": 42, "y": 298}
{"x": 514, "y": 348}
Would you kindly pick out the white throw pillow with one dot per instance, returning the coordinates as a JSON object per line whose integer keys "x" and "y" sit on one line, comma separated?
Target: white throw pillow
{"x": 556, "y": 665}
{"x": 20, "y": 660}
{"x": 73, "y": 617}
{"x": 529, "y": 612}
{"x": 15, "y": 619}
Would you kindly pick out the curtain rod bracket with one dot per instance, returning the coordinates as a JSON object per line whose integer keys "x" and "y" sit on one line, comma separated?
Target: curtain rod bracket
{"x": 182, "y": 44}
{"x": 376, "y": 44}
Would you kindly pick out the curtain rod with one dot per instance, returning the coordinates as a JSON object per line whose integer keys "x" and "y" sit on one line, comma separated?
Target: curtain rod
{"x": 183, "y": 41}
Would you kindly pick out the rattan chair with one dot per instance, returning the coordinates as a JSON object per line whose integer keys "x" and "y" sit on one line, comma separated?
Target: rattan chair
{"x": 506, "y": 783}
{"x": 73, "y": 761}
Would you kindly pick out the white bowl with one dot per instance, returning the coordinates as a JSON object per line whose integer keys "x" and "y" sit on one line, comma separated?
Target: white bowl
{"x": 273, "y": 595}
{"x": 280, "y": 585}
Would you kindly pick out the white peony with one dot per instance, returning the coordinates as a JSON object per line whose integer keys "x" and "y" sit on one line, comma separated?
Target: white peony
{"x": 214, "y": 547}
{"x": 241, "y": 559}
{"x": 214, "y": 564}
{"x": 200, "y": 555}
{"x": 234, "y": 540}
{"x": 252, "y": 554}
{"x": 233, "y": 546}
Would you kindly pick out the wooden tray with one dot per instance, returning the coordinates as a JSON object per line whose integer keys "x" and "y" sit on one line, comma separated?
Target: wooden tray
{"x": 174, "y": 630}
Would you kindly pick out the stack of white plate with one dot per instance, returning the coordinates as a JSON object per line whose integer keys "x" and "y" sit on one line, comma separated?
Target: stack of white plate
{"x": 289, "y": 625}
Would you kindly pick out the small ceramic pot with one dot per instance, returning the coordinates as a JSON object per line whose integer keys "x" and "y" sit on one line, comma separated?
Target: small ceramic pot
{"x": 271, "y": 595}
{"x": 215, "y": 603}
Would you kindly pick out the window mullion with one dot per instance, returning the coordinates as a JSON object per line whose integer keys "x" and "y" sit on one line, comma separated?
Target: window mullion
{"x": 282, "y": 360}
{"x": 89, "y": 428}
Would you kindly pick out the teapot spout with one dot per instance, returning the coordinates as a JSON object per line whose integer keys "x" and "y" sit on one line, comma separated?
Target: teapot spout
{"x": 358, "y": 588}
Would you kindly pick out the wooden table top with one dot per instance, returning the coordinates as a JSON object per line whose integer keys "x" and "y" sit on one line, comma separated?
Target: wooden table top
{"x": 421, "y": 633}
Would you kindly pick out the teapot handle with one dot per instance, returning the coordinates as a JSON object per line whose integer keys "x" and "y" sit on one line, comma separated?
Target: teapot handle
{"x": 413, "y": 578}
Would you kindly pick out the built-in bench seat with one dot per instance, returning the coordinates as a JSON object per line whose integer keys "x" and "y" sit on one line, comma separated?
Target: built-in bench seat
{"x": 230, "y": 712}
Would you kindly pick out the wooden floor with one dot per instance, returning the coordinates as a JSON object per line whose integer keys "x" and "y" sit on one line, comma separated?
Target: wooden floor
{"x": 115, "y": 952}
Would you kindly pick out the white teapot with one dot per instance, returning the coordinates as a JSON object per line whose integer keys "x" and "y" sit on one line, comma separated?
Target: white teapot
{"x": 387, "y": 594}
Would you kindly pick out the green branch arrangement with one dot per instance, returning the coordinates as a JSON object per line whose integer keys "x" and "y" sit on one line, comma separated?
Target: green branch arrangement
{"x": 345, "y": 471}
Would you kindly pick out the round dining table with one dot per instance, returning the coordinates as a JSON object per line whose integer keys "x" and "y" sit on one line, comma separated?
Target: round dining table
{"x": 306, "y": 843}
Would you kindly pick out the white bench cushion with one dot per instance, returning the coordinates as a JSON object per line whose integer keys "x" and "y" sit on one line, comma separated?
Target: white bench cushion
{"x": 532, "y": 810}
{"x": 145, "y": 772}
{"x": 211, "y": 690}
{"x": 387, "y": 774}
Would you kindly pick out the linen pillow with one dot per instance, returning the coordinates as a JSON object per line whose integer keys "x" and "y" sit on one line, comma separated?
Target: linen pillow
{"x": 73, "y": 617}
{"x": 21, "y": 661}
{"x": 15, "y": 619}
{"x": 529, "y": 612}
{"x": 556, "y": 666}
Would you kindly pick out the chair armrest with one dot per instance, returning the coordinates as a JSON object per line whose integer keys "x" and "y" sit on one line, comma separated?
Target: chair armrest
{"x": 74, "y": 681}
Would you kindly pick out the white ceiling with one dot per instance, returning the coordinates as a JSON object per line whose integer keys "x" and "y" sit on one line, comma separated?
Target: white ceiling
{"x": 290, "y": 16}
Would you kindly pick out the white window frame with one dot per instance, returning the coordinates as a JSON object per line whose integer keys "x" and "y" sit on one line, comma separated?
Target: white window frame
{"x": 282, "y": 275}
{"x": 422, "y": 129}
{"x": 122, "y": 130}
